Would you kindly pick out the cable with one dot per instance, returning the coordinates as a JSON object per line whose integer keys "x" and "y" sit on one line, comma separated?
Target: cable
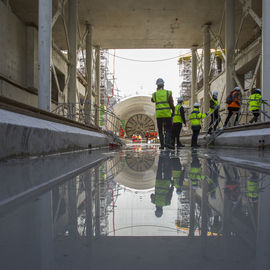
{"x": 145, "y": 61}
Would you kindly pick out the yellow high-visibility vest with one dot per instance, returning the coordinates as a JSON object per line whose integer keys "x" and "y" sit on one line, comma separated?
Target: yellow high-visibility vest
{"x": 161, "y": 98}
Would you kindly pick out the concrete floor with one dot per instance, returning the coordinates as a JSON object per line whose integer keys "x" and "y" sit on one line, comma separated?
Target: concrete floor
{"x": 100, "y": 210}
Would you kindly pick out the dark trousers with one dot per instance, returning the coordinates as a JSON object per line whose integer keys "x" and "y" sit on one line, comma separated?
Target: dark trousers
{"x": 231, "y": 111}
{"x": 196, "y": 131}
{"x": 214, "y": 119}
{"x": 256, "y": 115}
{"x": 176, "y": 130}
{"x": 164, "y": 126}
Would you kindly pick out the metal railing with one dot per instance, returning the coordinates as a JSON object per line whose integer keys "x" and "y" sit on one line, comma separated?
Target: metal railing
{"x": 90, "y": 115}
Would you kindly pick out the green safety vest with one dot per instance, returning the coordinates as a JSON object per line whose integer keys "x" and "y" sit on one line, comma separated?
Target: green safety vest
{"x": 195, "y": 117}
{"x": 254, "y": 102}
{"x": 211, "y": 185}
{"x": 252, "y": 189}
{"x": 177, "y": 116}
{"x": 216, "y": 104}
{"x": 162, "y": 188}
{"x": 176, "y": 176}
{"x": 161, "y": 98}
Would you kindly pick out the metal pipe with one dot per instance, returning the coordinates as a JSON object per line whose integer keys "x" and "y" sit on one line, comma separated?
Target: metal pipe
{"x": 44, "y": 54}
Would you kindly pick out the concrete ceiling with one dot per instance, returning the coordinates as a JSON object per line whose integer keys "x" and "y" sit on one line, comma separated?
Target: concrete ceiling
{"x": 128, "y": 24}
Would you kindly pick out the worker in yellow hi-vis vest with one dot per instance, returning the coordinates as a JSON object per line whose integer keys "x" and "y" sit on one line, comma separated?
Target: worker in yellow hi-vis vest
{"x": 254, "y": 102}
{"x": 164, "y": 112}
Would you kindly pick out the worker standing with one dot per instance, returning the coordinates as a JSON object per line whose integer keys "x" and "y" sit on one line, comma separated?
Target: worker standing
{"x": 164, "y": 108}
{"x": 254, "y": 102}
{"x": 214, "y": 111}
{"x": 178, "y": 120}
{"x": 234, "y": 103}
{"x": 195, "y": 118}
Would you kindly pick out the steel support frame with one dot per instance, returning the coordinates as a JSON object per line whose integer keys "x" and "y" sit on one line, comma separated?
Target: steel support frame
{"x": 44, "y": 54}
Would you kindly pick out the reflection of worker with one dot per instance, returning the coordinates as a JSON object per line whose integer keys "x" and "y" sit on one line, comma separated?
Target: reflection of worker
{"x": 212, "y": 179}
{"x": 164, "y": 186}
{"x": 254, "y": 102}
{"x": 178, "y": 174}
{"x": 253, "y": 188}
{"x": 178, "y": 120}
{"x": 232, "y": 186}
{"x": 164, "y": 108}
{"x": 195, "y": 174}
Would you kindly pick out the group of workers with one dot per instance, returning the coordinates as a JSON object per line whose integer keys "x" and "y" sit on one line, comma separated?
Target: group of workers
{"x": 171, "y": 176}
{"x": 170, "y": 118}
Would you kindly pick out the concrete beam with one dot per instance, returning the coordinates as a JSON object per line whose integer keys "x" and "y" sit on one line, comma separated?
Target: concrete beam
{"x": 44, "y": 54}
{"x": 229, "y": 44}
{"x": 266, "y": 50}
{"x": 194, "y": 75}
{"x": 72, "y": 53}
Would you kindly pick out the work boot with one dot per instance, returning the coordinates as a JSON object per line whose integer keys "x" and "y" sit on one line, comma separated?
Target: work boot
{"x": 169, "y": 146}
{"x": 161, "y": 147}
{"x": 180, "y": 145}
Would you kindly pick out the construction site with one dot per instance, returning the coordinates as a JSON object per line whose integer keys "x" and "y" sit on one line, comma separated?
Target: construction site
{"x": 85, "y": 182}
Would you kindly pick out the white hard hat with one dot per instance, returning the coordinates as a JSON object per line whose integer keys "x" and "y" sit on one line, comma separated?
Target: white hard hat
{"x": 237, "y": 88}
{"x": 258, "y": 90}
{"x": 159, "y": 81}
{"x": 215, "y": 93}
{"x": 196, "y": 104}
{"x": 180, "y": 99}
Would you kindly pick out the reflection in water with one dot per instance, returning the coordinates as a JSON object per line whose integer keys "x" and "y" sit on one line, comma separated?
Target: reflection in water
{"x": 211, "y": 204}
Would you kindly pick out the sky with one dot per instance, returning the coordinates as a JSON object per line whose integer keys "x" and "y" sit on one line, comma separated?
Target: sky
{"x": 138, "y": 77}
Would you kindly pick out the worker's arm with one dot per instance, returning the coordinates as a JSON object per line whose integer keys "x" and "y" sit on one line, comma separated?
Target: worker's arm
{"x": 182, "y": 113}
{"x": 152, "y": 100}
{"x": 212, "y": 104}
{"x": 171, "y": 102}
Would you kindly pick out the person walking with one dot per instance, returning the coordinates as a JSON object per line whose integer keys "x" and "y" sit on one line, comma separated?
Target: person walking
{"x": 214, "y": 111}
{"x": 195, "y": 118}
{"x": 234, "y": 103}
{"x": 164, "y": 108}
{"x": 254, "y": 102}
{"x": 178, "y": 120}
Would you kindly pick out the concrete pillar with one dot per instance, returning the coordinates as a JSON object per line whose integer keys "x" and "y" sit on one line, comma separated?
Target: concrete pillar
{"x": 72, "y": 209}
{"x": 88, "y": 49}
{"x": 97, "y": 202}
{"x": 31, "y": 57}
{"x": 44, "y": 54}
{"x": 204, "y": 209}
{"x": 89, "y": 204}
{"x": 192, "y": 210}
{"x": 97, "y": 50}
{"x": 206, "y": 69}
{"x": 72, "y": 53}
{"x": 229, "y": 44}
{"x": 266, "y": 50}
{"x": 194, "y": 75}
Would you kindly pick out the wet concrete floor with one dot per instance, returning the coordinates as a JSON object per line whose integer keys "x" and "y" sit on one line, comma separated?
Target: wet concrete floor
{"x": 137, "y": 208}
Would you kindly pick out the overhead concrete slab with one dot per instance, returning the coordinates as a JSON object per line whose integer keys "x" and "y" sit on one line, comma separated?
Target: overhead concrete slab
{"x": 127, "y": 24}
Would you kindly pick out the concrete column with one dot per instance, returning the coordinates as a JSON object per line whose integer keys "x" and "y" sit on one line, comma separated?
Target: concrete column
{"x": 97, "y": 84}
{"x": 192, "y": 210}
{"x": 31, "y": 57}
{"x": 266, "y": 50}
{"x": 206, "y": 69}
{"x": 89, "y": 204}
{"x": 194, "y": 75}
{"x": 229, "y": 44}
{"x": 44, "y": 54}
{"x": 97, "y": 202}
{"x": 89, "y": 50}
{"x": 72, "y": 208}
{"x": 72, "y": 53}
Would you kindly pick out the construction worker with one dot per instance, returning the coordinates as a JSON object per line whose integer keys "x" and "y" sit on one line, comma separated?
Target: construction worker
{"x": 147, "y": 136}
{"x": 254, "y": 102}
{"x": 178, "y": 120}
{"x": 214, "y": 111}
{"x": 253, "y": 190}
{"x": 195, "y": 174}
{"x": 177, "y": 173}
{"x": 234, "y": 103}
{"x": 195, "y": 118}
{"x": 164, "y": 185}
{"x": 164, "y": 108}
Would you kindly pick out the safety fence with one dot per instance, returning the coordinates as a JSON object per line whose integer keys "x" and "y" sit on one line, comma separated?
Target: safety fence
{"x": 90, "y": 115}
